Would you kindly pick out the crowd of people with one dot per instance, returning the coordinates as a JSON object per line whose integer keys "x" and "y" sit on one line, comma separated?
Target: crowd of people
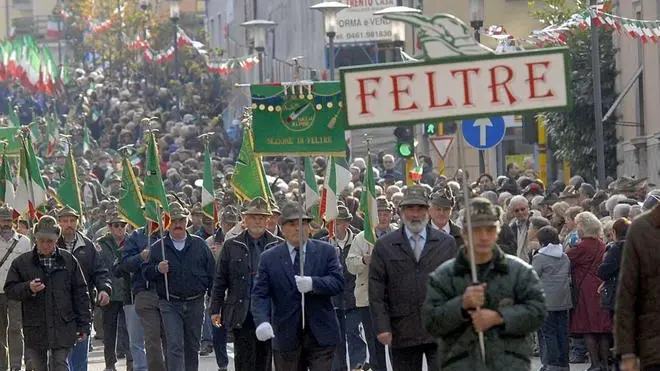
{"x": 549, "y": 258}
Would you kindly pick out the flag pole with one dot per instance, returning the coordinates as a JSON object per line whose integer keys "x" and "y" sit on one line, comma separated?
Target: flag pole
{"x": 25, "y": 132}
{"x": 162, "y": 250}
{"x": 301, "y": 251}
{"x": 468, "y": 221}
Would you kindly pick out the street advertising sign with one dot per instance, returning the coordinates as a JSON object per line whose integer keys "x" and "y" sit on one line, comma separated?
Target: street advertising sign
{"x": 458, "y": 79}
{"x": 301, "y": 118}
{"x": 484, "y": 133}
{"x": 359, "y": 25}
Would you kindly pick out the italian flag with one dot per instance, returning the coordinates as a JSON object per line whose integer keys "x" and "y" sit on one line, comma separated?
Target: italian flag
{"x": 68, "y": 193}
{"x": 31, "y": 191}
{"x": 337, "y": 178}
{"x": 209, "y": 205}
{"x": 368, "y": 205}
{"x": 53, "y": 30}
{"x": 7, "y": 191}
{"x": 312, "y": 196}
{"x": 52, "y": 133}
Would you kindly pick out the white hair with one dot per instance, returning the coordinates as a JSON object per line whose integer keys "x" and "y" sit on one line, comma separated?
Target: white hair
{"x": 613, "y": 201}
{"x": 518, "y": 200}
{"x": 589, "y": 225}
{"x": 621, "y": 211}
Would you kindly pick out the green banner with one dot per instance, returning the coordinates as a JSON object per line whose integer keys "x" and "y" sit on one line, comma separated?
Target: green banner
{"x": 10, "y": 134}
{"x": 298, "y": 119}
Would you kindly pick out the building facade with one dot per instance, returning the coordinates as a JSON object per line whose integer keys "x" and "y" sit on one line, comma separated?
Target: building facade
{"x": 638, "y": 129}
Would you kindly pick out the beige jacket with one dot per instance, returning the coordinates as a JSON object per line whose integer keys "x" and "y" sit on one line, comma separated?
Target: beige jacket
{"x": 21, "y": 247}
{"x": 355, "y": 265}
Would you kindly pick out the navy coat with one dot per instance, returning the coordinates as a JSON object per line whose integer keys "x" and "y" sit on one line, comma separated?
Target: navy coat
{"x": 276, "y": 299}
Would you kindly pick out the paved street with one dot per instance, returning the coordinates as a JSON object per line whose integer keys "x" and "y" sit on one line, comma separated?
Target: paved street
{"x": 96, "y": 362}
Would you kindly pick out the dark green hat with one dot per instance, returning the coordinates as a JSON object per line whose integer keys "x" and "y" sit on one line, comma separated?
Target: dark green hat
{"x": 257, "y": 206}
{"x": 67, "y": 211}
{"x": 230, "y": 215}
{"x": 443, "y": 197}
{"x": 178, "y": 212}
{"x": 415, "y": 195}
{"x": 274, "y": 208}
{"x": 382, "y": 204}
{"x": 343, "y": 214}
{"x": 197, "y": 209}
{"x": 114, "y": 217}
{"x": 291, "y": 212}
{"x": 483, "y": 213}
{"x": 47, "y": 227}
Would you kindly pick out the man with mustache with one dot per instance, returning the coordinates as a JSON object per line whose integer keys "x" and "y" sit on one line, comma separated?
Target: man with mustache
{"x": 96, "y": 275}
{"x": 189, "y": 267}
{"x": 235, "y": 276}
{"x": 398, "y": 274}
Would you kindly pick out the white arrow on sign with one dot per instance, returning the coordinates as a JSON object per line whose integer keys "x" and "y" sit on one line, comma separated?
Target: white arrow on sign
{"x": 483, "y": 125}
{"x": 442, "y": 144}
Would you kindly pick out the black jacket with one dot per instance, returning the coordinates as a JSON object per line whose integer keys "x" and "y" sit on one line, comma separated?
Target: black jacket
{"x": 232, "y": 276}
{"x": 96, "y": 275}
{"x": 52, "y": 317}
{"x": 609, "y": 273}
{"x": 191, "y": 269}
{"x": 397, "y": 284}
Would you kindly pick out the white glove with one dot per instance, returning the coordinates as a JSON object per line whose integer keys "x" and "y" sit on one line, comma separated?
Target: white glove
{"x": 264, "y": 332}
{"x": 304, "y": 284}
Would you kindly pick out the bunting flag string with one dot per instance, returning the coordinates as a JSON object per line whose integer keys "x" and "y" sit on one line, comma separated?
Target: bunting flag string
{"x": 226, "y": 66}
{"x": 644, "y": 30}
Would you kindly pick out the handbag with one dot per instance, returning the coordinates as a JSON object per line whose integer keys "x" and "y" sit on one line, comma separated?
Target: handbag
{"x": 575, "y": 289}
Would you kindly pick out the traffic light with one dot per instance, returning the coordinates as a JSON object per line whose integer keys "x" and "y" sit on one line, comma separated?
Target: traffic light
{"x": 530, "y": 132}
{"x": 405, "y": 146}
{"x": 430, "y": 130}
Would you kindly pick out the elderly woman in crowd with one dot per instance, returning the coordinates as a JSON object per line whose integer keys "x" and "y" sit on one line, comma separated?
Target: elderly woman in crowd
{"x": 588, "y": 318}
{"x": 559, "y": 215}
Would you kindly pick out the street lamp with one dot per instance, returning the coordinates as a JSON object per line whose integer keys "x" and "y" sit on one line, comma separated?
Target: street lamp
{"x": 398, "y": 28}
{"x": 174, "y": 16}
{"x": 330, "y": 10}
{"x": 144, "y": 5}
{"x": 258, "y": 28}
{"x": 476, "y": 8}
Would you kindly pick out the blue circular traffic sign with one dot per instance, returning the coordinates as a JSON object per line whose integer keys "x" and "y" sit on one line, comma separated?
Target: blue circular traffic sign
{"x": 484, "y": 133}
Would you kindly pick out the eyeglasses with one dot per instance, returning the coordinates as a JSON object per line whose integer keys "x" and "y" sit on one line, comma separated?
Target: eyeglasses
{"x": 118, "y": 225}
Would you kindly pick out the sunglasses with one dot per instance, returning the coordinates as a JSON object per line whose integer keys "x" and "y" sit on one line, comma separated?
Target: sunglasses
{"x": 118, "y": 225}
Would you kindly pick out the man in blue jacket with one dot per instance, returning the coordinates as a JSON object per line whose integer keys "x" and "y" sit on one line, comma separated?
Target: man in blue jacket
{"x": 279, "y": 291}
{"x": 182, "y": 276}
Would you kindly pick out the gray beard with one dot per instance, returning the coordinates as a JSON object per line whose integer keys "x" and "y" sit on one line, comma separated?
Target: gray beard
{"x": 416, "y": 227}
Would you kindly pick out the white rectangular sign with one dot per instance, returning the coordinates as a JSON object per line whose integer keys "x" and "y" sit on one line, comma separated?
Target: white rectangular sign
{"x": 358, "y": 24}
{"x": 456, "y": 88}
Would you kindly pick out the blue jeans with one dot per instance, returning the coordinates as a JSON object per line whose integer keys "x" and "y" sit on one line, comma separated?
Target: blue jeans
{"x": 220, "y": 346}
{"x": 349, "y": 326}
{"x": 207, "y": 332}
{"x": 553, "y": 340}
{"x": 182, "y": 321}
{"x": 136, "y": 338}
{"x": 78, "y": 356}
